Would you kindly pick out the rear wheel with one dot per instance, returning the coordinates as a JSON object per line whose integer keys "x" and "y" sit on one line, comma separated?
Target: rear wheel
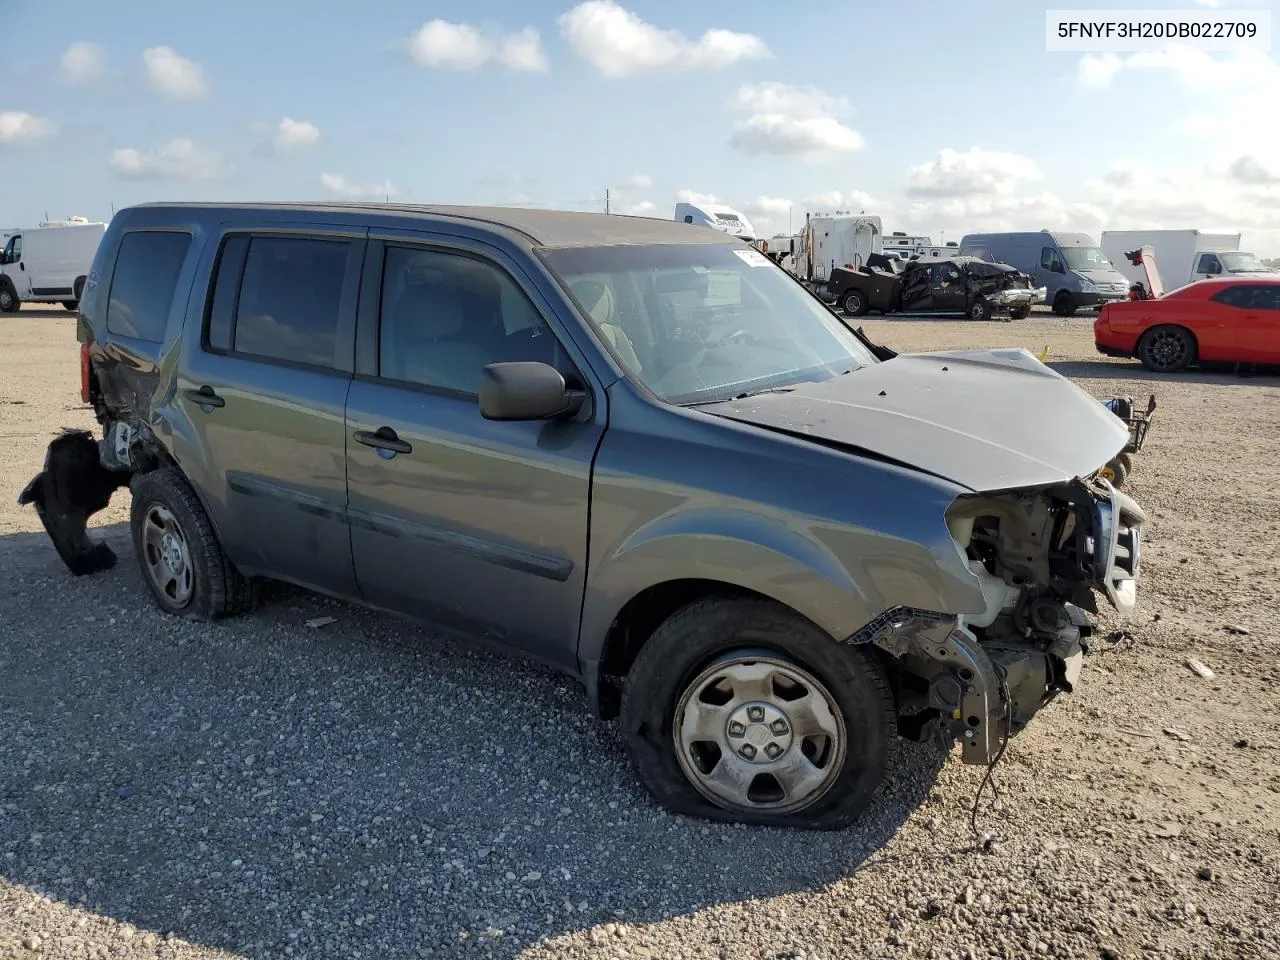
{"x": 72, "y": 305}
{"x": 179, "y": 554}
{"x": 1167, "y": 349}
{"x": 854, "y": 303}
{"x": 739, "y": 710}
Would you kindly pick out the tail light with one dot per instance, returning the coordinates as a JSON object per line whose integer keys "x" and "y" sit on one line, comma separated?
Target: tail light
{"x": 84, "y": 372}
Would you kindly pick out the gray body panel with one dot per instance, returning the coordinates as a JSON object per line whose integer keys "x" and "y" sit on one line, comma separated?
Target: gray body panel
{"x": 990, "y": 420}
{"x": 537, "y": 534}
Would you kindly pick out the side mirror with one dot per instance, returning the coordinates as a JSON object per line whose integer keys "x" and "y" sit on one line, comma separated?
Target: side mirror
{"x": 526, "y": 390}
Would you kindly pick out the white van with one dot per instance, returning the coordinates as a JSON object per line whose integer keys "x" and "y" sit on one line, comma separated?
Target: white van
{"x": 1070, "y": 266}
{"x": 1185, "y": 256}
{"x": 48, "y": 264}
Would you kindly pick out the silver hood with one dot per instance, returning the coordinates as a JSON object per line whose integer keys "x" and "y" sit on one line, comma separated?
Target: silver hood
{"x": 986, "y": 419}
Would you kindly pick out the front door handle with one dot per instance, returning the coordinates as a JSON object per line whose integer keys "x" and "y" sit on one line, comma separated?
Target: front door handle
{"x": 205, "y": 397}
{"x": 384, "y": 438}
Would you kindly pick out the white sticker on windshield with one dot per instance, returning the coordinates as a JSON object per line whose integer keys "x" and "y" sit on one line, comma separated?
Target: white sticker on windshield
{"x": 753, "y": 258}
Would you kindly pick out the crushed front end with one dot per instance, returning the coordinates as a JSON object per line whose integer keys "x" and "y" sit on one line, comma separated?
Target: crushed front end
{"x": 1041, "y": 557}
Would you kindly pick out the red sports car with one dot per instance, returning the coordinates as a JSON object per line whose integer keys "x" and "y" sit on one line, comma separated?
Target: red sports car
{"x": 1217, "y": 321}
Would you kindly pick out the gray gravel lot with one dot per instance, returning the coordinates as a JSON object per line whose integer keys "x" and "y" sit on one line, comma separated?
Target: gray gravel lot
{"x": 261, "y": 788}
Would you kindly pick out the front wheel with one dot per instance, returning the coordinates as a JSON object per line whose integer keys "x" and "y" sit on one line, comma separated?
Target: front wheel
{"x": 1064, "y": 305}
{"x": 72, "y": 305}
{"x": 854, "y": 303}
{"x": 1114, "y": 472}
{"x": 1020, "y": 313}
{"x": 8, "y": 299}
{"x": 178, "y": 551}
{"x": 739, "y": 710}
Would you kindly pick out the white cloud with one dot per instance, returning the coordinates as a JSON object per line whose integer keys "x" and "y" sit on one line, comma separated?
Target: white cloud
{"x": 179, "y": 159}
{"x": 19, "y": 127}
{"x": 974, "y": 172}
{"x": 174, "y": 75}
{"x": 339, "y": 185}
{"x": 82, "y": 61}
{"x": 792, "y": 121}
{"x": 692, "y": 196}
{"x": 1254, "y": 172}
{"x": 618, "y": 43}
{"x": 644, "y": 208}
{"x": 462, "y": 46}
{"x": 853, "y": 201}
{"x": 640, "y": 181}
{"x": 523, "y": 51}
{"x": 293, "y": 135}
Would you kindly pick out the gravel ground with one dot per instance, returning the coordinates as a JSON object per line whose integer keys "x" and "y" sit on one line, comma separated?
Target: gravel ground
{"x": 366, "y": 789}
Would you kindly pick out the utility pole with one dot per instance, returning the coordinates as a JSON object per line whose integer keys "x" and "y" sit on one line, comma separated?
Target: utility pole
{"x": 606, "y": 199}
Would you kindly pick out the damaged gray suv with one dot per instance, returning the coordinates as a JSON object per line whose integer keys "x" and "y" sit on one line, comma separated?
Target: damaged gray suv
{"x": 636, "y": 450}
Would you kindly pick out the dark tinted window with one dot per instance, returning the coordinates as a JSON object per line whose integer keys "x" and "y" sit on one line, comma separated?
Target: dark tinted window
{"x": 226, "y": 291}
{"x": 289, "y": 300}
{"x": 1235, "y": 296}
{"x": 1209, "y": 264}
{"x": 445, "y": 317}
{"x": 1049, "y": 259}
{"x": 143, "y": 283}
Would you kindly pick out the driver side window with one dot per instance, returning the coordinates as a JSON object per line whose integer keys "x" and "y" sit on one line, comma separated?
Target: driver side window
{"x": 1209, "y": 264}
{"x": 1050, "y": 260}
{"x": 444, "y": 317}
{"x": 13, "y": 249}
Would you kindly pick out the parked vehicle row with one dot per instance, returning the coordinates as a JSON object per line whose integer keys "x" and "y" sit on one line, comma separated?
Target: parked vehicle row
{"x": 959, "y": 286}
{"x": 640, "y": 453}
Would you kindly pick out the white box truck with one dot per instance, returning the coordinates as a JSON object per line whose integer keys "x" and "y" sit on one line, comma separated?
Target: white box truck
{"x": 1185, "y": 256}
{"x": 48, "y": 263}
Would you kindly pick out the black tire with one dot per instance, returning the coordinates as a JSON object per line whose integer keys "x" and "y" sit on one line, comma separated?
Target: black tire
{"x": 854, "y": 303}
{"x": 218, "y": 589}
{"x": 705, "y": 631}
{"x": 980, "y": 311}
{"x": 1167, "y": 349}
{"x": 1125, "y": 460}
{"x": 72, "y": 305}
{"x": 1064, "y": 305}
{"x": 9, "y": 302}
{"x": 1020, "y": 313}
{"x": 77, "y": 288}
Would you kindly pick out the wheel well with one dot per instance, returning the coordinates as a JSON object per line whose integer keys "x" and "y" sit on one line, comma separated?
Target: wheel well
{"x": 639, "y": 618}
{"x": 77, "y": 288}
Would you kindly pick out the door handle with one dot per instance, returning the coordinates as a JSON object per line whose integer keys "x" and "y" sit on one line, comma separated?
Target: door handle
{"x": 384, "y": 438}
{"x": 205, "y": 397}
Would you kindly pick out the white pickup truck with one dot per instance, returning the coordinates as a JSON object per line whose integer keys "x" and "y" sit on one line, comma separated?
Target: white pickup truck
{"x": 1185, "y": 255}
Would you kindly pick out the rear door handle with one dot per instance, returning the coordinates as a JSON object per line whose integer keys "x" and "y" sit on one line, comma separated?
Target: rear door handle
{"x": 205, "y": 397}
{"x": 384, "y": 438}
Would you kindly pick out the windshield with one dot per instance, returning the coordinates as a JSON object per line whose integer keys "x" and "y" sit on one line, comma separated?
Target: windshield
{"x": 1086, "y": 258}
{"x": 701, "y": 323}
{"x": 1242, "y": 263}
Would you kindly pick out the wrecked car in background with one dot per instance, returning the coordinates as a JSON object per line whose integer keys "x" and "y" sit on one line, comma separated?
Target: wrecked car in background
{"x": 642, "y": 454}
{"x": 959, "y": 286}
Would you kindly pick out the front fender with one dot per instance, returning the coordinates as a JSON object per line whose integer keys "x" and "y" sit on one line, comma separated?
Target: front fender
{"x": 835, "y": 575}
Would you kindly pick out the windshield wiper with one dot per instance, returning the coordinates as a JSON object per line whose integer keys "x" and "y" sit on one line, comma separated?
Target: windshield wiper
{"x": 756, "y": 393}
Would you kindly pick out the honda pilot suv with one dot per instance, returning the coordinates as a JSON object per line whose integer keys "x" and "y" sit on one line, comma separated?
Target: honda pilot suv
{"x": 636, "y": 450}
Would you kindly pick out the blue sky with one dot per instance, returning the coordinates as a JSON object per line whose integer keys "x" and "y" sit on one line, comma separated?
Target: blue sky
{"x": 944, "y": 120}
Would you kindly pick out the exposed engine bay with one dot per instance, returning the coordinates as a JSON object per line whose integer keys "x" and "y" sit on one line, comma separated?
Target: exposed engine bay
{"x": 1042, "y": 557}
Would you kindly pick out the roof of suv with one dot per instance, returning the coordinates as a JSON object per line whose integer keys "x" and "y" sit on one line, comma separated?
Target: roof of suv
{"x": 547, "y": 228}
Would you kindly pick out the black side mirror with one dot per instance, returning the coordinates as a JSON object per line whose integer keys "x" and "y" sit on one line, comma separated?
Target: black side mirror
{"x": 526, "y": 390}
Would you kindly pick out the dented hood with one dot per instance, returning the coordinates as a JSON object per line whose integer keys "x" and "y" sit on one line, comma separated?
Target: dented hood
{"x": 987, "y": 419}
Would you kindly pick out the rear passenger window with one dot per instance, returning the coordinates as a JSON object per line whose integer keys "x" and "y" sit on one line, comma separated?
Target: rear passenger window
{"x": 143, "y": 283}
{"x": 289, "y": 299}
